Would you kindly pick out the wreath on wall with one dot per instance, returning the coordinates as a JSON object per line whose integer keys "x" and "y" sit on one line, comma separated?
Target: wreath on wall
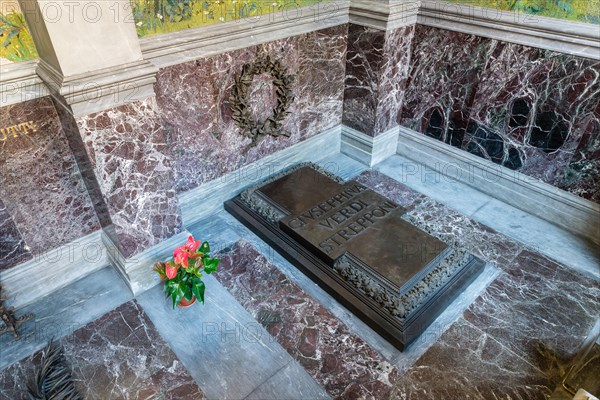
{"x": 240, "y": 102}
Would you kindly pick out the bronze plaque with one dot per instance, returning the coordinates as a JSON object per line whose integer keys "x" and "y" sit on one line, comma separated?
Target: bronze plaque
{"x": 300, "y": 189}
{"x": 356, "y": 244}
{"x": 358, "y": 221}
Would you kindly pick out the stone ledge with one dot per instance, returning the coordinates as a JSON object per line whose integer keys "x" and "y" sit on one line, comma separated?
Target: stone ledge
{"x": 137, "y": 270}
{"x": 549, "y": 33}
{"x": 179, "y": 47}
{"x": 102, "y": 89}
{"x": 54, "y": 269}
{"x": 568, "y": 37}
{"x": 201, "y": 202}
{"x": 577, "y": 215}
{"x": 19, "y": 82}
{"x": 383, "y": 15}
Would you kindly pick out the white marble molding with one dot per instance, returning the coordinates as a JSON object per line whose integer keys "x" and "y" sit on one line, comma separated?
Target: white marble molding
{"x": 19, "y": 82}
{"x": 367, "y": 149}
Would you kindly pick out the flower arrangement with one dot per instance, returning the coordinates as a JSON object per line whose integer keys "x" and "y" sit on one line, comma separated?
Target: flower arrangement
{"x": 183, "y": 274}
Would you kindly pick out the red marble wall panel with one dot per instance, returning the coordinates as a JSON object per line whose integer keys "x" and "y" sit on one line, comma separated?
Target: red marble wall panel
{"x": 528, "y": 109}
{"x": 13, "y": 249}
{"x": 363, "y": 66}
{"x": 130, "y": 154}
{"x": 376, "y": 72}
{"x": 444, "y": 74}
{"x": 40, "y": 183}
{"x": 543, "y": 108}
{"x": 193, "y": 98}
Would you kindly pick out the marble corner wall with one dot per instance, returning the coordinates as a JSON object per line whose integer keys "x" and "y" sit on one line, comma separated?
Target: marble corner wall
{"x": 444, "y": 72}
{"x": 537, "y": 111}
{"x": 129, "y": 152}
{"x": 193, "y": 98}
{"x": 43, "y": 200}
{"x": 377, "y": 67}
{"x": 531, "y": 110}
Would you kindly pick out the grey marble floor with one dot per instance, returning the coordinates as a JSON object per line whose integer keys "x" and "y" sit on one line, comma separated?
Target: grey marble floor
{"x": 546, "y": 238}
{"x": 229, "y": 354}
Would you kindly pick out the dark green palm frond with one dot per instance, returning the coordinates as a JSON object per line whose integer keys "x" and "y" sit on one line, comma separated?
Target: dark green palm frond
{"x": 53, "y": 381}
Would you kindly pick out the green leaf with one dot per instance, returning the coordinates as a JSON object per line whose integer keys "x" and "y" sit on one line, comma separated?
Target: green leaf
{"x": 176, "y": 292}
{"x": 210, "y": 264}
{"x": 187, "y": 292}
{"x": 205, "y": 248}
{"x": 198, "y": 289}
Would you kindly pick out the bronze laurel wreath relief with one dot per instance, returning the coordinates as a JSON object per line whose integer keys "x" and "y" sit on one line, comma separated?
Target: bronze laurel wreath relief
{"x": 240, "y": 103}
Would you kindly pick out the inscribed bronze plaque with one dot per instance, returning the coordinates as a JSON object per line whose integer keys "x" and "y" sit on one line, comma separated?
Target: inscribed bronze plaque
{"x": 357, "y": 245}
{"x": 300, "y": 189}
{"x": 367, "y": 225}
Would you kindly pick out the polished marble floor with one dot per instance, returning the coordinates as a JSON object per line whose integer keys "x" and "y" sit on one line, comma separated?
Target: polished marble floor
{"x": 268, "y": 332}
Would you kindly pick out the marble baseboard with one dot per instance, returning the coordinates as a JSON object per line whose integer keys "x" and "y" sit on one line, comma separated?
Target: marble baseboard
{"x": 66, "y": 264}
{"x": 564, "y": 209}
{"x": 367, "y": 149}
{"x": 72, "y": 261}
{"x": 202, "y": 201}
{"x": 52, "y": 270}
{"x": 137, "y": 270}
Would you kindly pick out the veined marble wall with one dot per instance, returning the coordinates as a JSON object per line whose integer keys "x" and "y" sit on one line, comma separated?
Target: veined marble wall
{"x": 531, "y": 110}
{"x": 194, "y": 101}
{"x": 61, "y": 178}
{"x": 122, "y": 168}
{"x": 130, "y": 155}
{"x": 43, "y": 200}
{"x": 528, "y": 109}
{"x": 376, "y": 70}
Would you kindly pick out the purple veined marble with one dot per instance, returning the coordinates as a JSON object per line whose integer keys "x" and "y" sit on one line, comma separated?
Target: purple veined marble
{"x": 118, "y": 356}
{"x": 519, "y": 336}
{"x": 467, "y": 363}
{"x": 13, "y": 248}
{"x": 40, "y": 183}
{"x": 530, "y": 110}
{"x": 364, "y": 58}
{"x": 193, "y": 100}
{"x": 129, "y": 152}
{"x": 539, "y": 111}
{"x": 377, "y": 68}
{"x": 445, "y": 69}
{"x": 444, "y": 223}
{"x": 540, "y": 310}
{"x": 342, "y": 363}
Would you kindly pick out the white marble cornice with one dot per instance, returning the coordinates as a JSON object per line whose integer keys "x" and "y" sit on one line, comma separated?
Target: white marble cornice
{"x": 178, "y": 47}
{"x": 568, "y": 37}
{"x": 102, "y": 89}
{"x": 19, "y": 82}
{"x": 384, "y": 14}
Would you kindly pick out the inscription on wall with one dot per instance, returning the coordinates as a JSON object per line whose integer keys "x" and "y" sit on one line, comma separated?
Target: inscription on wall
{"x": 17, "y": 130}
